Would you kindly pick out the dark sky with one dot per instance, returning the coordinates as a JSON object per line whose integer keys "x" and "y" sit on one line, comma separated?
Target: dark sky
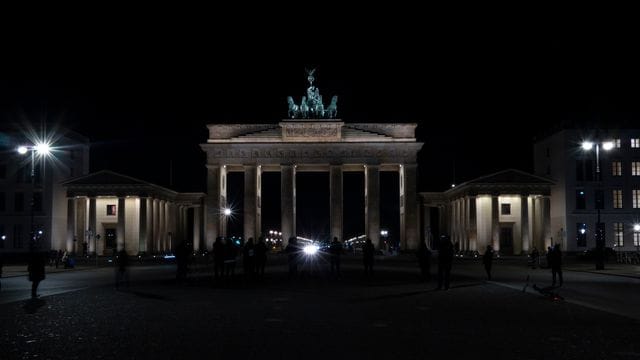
{"x": 479, "y": 94}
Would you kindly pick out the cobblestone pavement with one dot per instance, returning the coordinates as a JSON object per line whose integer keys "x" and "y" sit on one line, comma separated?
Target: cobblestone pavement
{"x": 392, "y": 316}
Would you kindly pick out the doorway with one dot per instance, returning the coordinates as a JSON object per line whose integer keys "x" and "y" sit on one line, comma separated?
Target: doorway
{"x": 506, "y": 240}
{"x": 110, "y": 239}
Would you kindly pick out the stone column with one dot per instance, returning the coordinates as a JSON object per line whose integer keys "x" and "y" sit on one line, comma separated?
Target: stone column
{"x": 372, "y": 203}
{"x": 546, "y": 221}
{"x": 120, "y": 233}
{"x": 144, "y": 233}
{"x": 216, "y": 182}
{"x": 473, "y": 224}
{"x": 196, "y": 228}
{"x": 335, "y": 201}
{"x": 409, "y": 238}
{"x": 250, "y": 201}
{"x": 524, "y": 223}
{"x": 71, "y": 224}
{"x": 162, "y": 225}
{"x": 258, "y": 203}
{"x": 426, "y": 223}
{"x": 156, "y": 231}
{"x": 495, "y": 223}
{"x": 288, "y": 202}
{"x": 92, "y": 225}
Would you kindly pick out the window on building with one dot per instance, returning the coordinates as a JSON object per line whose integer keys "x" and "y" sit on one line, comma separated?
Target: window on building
{"x": 581, "y": 201}
{"x": 584, "y": 170}
{"x": 635, "y": 168}
{"x": 3, "y": 171}
{"x": 111, "y": 210}
{"x": 616, "y": 167}
{"x": 617, "y": 199}
{"x": 617, "y": 143}
{"x": 505, "y": 209}
{"x": 37, "y": 201}
{"x": 618, "y": 233}
{"x": 22, "y": 174}
{"x": 636, "y": 239}
{"x": 18, "y": 202}
{"x": 579, "y": 170}
{"x": 3, "y": 203}
{"x": 581, "y": 234}
{"x": 635, "y": 198}
{"x": 599, "y": 199}
{"x": 635, "y": 143}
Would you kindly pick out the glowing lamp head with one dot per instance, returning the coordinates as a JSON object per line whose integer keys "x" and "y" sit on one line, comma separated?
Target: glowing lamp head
{"x": 227, "y": 211}
{"x": 310, "y": 249}
{"x": 636, "y": 227}
{"x": 607, "y": 145}
{"x": 43, "y": 148}
{"x": 587, "y": 145}
{"x": 22, "y": 150}
{"x": 582, "y": 231}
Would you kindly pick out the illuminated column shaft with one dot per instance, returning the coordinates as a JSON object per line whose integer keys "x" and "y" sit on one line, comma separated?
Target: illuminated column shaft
{"x": 409, "y": 207}
{"x": 92, "y": 225}
{"x": 473, "y": 224}
{"x": 546, "y": 221}
{"x": 213, "y": 216}
{"x": 524, "y": 220}
{"x": 288, "y": 202}
{"x": 144, "y": 226}
{"x": 156, "y": 213}
{"x": 71, "y": 223}
{"x": 121, "y": 220}
{"x": 162, "y": 234}
{"x": 372, "y": 203}
{"x": 335, "y": 201}
{"x": 495, "y": 223}
{"x": 196, "y": 228}
{"x": 250, "y": 201}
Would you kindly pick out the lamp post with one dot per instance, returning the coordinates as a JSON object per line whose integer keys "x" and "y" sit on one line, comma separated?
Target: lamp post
{"x": 600, "y": 241}
{"x": 636, "y": 236}
{"x": 42, "y": 149}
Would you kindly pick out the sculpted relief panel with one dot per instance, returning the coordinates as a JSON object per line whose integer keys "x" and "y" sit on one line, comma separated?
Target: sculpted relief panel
{"x": 311, "y": 132}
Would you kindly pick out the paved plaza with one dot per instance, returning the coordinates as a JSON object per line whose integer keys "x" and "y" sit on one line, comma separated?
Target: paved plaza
{"x": 314, "y": 316}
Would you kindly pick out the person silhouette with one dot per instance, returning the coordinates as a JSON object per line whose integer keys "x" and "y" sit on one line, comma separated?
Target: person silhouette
{"x": 445, "y": 260}
{"x": 218, "y": 258}
{"x": 37, "y": 260}
{"x": 487, "y": 260}
{"x": 556, "y": 264}
{"x": 122, "y": 272}
{"x": 261, "y": 256}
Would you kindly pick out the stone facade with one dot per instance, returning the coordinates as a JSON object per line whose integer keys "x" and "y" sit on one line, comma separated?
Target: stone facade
{"x": 317, "y": 145}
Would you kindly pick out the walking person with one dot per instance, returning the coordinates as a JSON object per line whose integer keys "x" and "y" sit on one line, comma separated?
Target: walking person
{"x": 335, "y": 251}
{"x": 35, "y": 267}
{"x": 535, "y": 257}
{"x": 445, "y": 260}
{"x": 248, "y": 258}
{"x": 424, "y": 260}
{"x": 367, "y": 257}
{"x": 556, "y": 264}
{"x": 487, "y": 260}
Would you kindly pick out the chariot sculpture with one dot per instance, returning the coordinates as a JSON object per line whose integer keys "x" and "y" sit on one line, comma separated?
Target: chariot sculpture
{"x": 311, "y": 106}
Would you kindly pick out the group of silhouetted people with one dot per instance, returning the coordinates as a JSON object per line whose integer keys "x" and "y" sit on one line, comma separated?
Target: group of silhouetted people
{"x": 225, "y": 256}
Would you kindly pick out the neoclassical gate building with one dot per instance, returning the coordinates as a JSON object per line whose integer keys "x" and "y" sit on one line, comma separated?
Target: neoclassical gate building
{"x": 300, "y": 144}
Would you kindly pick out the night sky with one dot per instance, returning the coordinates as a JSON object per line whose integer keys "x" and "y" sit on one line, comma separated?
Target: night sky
{"x": 480, "y": 96}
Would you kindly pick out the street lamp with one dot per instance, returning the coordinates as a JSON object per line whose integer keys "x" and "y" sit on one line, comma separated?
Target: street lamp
{"x": 587, "y": 146}
{"x": 42, "y": 149}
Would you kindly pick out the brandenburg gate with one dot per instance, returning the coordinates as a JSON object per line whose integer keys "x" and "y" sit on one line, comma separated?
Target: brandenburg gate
{"x": 311, "y": 140}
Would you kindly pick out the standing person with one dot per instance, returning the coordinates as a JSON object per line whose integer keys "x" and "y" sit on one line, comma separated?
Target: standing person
{"x": 218, "y": 258}
{"x": 549, "y": 251}
{"x": 335, "y": 250}
{"x": 367, "y": 257}
{"x": 556, "y": 264}
{"x": 261, "y": 257}
{"x": 122, "y": 272}
{"x": 36, "y": 269}
{"x": 424, "y": 260}
{"x": 230, "y": 253}
{"x": 535, "y": 256}
{"x": 487, "y": 260}
{"x": 445, "y": 260}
